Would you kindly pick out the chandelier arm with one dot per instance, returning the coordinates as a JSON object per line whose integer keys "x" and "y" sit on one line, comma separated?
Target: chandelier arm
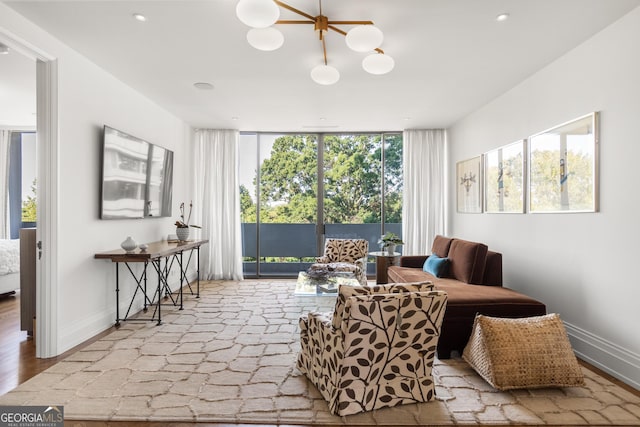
{"x": 351, "y": 22}
{"x": 293, "y": 21}
{"x": 338, "y": 30}
{"x": 294, "y": 10}
{"x": 322, "y": 25}
{"x": 324, "y": 50}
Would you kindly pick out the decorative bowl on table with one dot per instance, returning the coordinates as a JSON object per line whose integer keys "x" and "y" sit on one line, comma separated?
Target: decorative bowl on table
{"x": 318, "y": 272}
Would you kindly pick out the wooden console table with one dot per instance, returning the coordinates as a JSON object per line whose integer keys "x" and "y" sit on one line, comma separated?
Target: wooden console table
{"x": 155, "y": 253}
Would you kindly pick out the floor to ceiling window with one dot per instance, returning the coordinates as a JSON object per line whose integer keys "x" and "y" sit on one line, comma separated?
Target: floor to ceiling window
{"x": 298, "y": 189}
{"x": 22, "y": 182}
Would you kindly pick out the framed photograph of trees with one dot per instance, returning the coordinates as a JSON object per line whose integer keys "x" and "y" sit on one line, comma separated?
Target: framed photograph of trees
{"x": 469, "y": 185}
{"x": 563, "y": 167}
{"x": 504, "y": 178}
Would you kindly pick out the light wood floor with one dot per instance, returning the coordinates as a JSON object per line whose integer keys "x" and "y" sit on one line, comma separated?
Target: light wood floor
{"x": 18, "y": 363}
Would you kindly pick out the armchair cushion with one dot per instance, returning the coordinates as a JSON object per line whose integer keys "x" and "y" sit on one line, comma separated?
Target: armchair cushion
{"x": 345, "y": 250}
{"x": 344, "y": 292}
{"x": 346, "y": 255}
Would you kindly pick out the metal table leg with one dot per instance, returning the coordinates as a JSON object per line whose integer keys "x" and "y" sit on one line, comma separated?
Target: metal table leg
{"x": 159, "y": 268}
{"x": 198, "y": 271}
{"x": 117, "y": 295}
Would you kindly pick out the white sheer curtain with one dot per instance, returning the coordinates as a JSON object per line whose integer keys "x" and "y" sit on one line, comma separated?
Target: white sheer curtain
{"x": 424, "y": 192}
{"x": 5, "y": 139}
{"x": 217, "y": 203}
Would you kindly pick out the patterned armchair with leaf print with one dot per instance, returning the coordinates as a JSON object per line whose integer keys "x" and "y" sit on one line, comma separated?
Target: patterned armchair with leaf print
{"x": 346, "y": 255}
{"x": 377, "y": 349}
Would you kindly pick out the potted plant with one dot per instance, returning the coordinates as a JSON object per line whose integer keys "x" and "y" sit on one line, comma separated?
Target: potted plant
{"x": 389, "y": 241}
{"x": 182, "y": 226}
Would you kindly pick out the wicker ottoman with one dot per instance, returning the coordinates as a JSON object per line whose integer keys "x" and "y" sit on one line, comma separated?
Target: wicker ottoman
{"x": 531, "y": 352}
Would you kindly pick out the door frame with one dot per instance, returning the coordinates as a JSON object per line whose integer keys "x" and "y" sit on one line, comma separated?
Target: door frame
{"x": 46, "y": 334}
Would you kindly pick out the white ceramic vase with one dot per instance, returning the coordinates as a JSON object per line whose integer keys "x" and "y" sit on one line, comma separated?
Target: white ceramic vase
{"x": 129, "y": 245}
{"x": 182, "y": 233}
{"x": 391, "y": 248}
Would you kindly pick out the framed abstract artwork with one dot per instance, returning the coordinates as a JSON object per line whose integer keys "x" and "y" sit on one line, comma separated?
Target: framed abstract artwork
{"x": 504, "y": 179}
{"x": 563, "y": 167}
{"x": 469, "y": 185}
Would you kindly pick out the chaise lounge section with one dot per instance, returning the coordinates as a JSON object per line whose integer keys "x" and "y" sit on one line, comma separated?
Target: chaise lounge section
{"x": 473, "y": 283}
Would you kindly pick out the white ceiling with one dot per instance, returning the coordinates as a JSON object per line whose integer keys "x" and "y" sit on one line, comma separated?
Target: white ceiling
{"x": 451, "y": 56}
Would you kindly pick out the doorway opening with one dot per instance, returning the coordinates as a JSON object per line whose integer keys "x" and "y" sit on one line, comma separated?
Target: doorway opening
{"x": 46, "y": 128}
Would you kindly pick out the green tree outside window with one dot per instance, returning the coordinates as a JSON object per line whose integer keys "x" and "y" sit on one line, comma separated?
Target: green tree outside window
{"x": 352, "y": 180}
{"x": 29, "y": 205}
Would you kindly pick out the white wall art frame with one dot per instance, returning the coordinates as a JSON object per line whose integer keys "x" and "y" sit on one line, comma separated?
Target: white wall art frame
{"x": 563, "y": 167}
{"x": 505, "y": 178}
{"x": 469, "y": 185}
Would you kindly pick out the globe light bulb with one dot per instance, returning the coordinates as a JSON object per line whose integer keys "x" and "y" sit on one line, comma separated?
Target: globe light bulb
{"x": 378, "y": 63}
{"x": 364, "y": 38}
{"x": 266, "y": 39}
{"x": 257, "y": 13}
{"x": 325, "y": 74}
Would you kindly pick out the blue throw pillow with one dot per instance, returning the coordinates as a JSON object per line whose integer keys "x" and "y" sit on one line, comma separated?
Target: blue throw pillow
{"x": 435, "y": 265}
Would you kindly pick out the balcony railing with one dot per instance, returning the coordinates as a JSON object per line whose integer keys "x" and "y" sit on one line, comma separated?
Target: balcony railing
{"x": 286, "y": 249}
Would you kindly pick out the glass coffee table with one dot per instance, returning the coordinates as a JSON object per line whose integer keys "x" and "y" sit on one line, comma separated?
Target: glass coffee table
{"x": 324, "y": 285}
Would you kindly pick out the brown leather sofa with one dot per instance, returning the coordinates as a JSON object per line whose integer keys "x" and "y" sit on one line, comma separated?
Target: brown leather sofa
{"x": 473, "y": 282}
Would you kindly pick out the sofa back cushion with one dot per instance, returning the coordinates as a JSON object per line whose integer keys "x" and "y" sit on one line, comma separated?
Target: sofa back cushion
{"x": 441, "y": 246}
{"x": 493, "y": 269}
{"x": 467, "y": 261}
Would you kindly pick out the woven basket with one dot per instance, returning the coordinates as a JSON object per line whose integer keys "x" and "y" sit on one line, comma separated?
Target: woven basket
{"x": 531, "y": 352}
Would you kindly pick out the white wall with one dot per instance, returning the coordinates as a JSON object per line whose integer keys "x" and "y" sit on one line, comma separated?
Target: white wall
{"x": 89, "y": 98}
{"x": 583, "y": 266}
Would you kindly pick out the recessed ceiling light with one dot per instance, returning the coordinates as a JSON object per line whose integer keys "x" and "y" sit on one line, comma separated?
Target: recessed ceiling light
{"x": 203, "y": 86}
{"x": 4, "y": 49}
{"x": 140, "y": 17}
{"x": 235, "y": 118}
{"x": 502, "y": 17}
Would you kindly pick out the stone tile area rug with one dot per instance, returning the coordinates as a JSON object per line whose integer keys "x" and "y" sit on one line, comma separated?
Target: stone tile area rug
{"x": 229, "y": 357}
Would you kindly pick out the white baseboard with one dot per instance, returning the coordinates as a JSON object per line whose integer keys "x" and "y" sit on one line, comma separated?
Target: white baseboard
{"x": 84, "y": 330}
{"x": 611, "y": 358}
{"x": 81, "y": 331}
